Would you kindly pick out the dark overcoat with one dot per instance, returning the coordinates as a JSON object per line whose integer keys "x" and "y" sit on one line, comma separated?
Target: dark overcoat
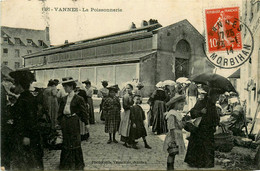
{"x": 26, "y": 125}
{"x": 201, "y": 147}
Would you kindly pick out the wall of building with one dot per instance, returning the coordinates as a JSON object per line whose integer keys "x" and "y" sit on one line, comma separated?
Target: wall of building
{"x": 148, "y": 68}
{"x": 170, "y": 36}
{"x": 112, "y": 73}
{"x": 11, "y": 58}
{"x": 249, "y": 75}
{"x": 93, "y": 52}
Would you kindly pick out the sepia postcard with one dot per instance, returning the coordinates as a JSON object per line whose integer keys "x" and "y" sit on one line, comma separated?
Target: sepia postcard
{"x": 130, "y": 85}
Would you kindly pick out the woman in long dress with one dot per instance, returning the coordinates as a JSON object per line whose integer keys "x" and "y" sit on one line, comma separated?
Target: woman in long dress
{"x": 124, "y": 128}
{"x": 157, "y": 102}
{"x": 51, "y": 102}
{"x": 201, "y": 150}
{"x": 103, "y": 93}
{"x": 72, "y": 109}
{"x": 28, "y": 151}
{"x": 112, "y": 108}
{"x": 89, "y": 91}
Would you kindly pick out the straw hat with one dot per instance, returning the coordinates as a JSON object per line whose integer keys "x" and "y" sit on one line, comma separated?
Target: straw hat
{"x": 67, "y": 80}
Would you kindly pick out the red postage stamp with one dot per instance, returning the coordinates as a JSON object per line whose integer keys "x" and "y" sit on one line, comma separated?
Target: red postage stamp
{"x": 223, "y": 29}
{"x": 225, "y": 47}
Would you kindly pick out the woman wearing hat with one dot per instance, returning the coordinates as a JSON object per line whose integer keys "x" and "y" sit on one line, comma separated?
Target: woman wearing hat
{"x": 201, "y": 148}
{"x": 157, "y": 102}
{"x": 72, "y": 109}
{"x": 138, "y": 90}
{"x": 112, "y": 108}
{"x": 103, "y": 93}
{"x": 125, "y": 125}
{"x": 174, "y": 142}
{"x": 28, "y": 150}
{"x": 89, "y": 92}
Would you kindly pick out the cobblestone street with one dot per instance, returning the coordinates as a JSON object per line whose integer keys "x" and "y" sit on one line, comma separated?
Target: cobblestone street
{"x": 98, "y": 155}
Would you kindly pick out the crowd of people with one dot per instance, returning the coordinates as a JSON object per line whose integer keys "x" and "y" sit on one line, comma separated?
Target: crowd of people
{"x": 70, "y": 109}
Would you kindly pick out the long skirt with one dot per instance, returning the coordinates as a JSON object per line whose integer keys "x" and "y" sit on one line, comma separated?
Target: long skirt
{"x": 124, "y": 128}
{"x": 72, "y": 159}
{"x": 200, "y": 151}
{"x": 159, "y": 122}
{"x": 71, "y": 153}
{"x": 91, "y": 111}
{"x": 112, "y": 122}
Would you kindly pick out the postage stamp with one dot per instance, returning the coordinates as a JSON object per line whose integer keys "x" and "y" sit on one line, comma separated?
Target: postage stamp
{"x": 224, "y": 32}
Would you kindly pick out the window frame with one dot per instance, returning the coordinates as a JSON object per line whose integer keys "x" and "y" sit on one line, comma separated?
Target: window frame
{"x": 31, "y": 42}
{"x": 41, "y": 43}
{"x": 16, "y": 41}
{"x": 29, "y": 51}
{"x": 17, "y": 55}
{"x": 4, "y": 51}
{"x": 5, "y": 63}
{"x": 17, "y": 66}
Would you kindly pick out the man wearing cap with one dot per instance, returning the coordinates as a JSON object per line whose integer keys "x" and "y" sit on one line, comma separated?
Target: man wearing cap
{"x": 72, "y": 109}
{"x": 28, "y": 150}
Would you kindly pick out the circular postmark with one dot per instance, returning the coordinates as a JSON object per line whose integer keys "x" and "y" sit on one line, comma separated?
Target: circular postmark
{"x": 225, "y": 47}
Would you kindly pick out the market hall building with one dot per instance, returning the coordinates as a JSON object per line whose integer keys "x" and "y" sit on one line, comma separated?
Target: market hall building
{"x": 149, "y": 54}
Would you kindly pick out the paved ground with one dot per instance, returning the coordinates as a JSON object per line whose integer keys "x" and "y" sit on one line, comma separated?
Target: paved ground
{"x": 100, "y": 156}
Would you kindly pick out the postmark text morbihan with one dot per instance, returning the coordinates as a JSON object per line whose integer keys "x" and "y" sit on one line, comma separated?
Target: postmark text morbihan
{"x": 224, "y": 45}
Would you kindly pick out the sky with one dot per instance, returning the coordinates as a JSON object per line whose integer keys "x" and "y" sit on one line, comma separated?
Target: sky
{"x": 75, "y": 26}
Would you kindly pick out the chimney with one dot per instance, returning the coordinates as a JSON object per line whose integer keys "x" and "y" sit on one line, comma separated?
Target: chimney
{"x": 152, "y": 21}
{"x": 47, "y": 32}
{"x": 66, "y": 42}
{"x": 133, "y": 26}
{"x": 144, "y": 23}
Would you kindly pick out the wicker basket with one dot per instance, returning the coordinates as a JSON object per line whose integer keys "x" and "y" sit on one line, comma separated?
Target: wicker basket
{"x": 224, "y": 142}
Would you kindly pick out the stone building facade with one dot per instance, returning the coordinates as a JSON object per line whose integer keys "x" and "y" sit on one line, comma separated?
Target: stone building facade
{"x": 148, "y": 54}
{"x": 249, "y": 81}
{"x": 17, "y": 42}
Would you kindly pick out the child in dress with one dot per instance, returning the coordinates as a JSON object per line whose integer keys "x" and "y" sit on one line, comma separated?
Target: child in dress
{"x": 137, "y": 118}
{"x": 174, "y": 142}
{"x": 112, "y": 109}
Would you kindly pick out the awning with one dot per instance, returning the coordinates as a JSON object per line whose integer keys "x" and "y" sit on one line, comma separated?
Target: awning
{"x": 236, "y": 74}
{"x": 117, "y": 59}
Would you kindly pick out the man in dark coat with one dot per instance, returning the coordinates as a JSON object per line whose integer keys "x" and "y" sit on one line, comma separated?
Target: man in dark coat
{"x": 72, "y": 108}
{"x": 28, "y": 150}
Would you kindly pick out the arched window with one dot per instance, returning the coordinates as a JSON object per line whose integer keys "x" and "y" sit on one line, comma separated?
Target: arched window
{"x": 183, "y": 53}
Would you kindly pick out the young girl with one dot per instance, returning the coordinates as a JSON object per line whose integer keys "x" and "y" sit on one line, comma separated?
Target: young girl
{"x": 137, "y": 129}
{"x": 174, "y": 142}
{"x": 112, "y": 109}
{"x": 124, "y": 127}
